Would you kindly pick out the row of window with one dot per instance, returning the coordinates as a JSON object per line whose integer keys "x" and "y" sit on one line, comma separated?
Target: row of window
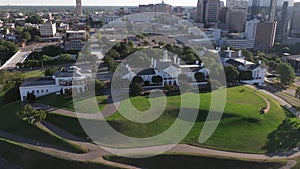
{"x": 38, "y": 91}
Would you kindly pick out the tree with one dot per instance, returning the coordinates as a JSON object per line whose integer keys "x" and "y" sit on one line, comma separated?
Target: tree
{"x": 286, "y": 73}
{"x": 231, "y": 73}
{"x": 136, "y": 79}
{"x": 31, "y": 98}
{"x": 35, "y": 19}
{"x": 12, "y": 95}
{"x": 50, "y": 71}
{"x": 26, "y": 36}
{"x": 245, "y": 75}
{"x": 157, "y": 79}
{"x": 248, "y": 55}
{"x": 199, "y": 76}
{"x": 99, "y": 85}
{"x": 51, "y": 50}
{"x": 31, "y": 115}
{"x": 7, "y": 50}
{"x": 9, "y": 80}
{"x": 136, "y": 89}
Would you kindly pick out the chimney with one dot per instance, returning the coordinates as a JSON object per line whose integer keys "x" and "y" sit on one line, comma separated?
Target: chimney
{"x": 197, "y": 62}
{"x": 154, "y": 64}
{"x": 228, "y": 48}
{"x": 178, "y": 61}
{"x": 230, "y": 54}
{"x": 259, "y": 62}
{"x": 202, "y": 64}
{"x": 240, "y": 53}
{"x": 175, "y": 59}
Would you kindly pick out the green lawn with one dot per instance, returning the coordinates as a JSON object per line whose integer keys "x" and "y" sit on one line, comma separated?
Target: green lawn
{"x": 194, "y": 162}
{"x": 30, "y": 159}
{"x": 241, "y": 129}
{"x": 10, "y": 122}
{"x": 34, "y": 73}
{"x": 84, "y": 105}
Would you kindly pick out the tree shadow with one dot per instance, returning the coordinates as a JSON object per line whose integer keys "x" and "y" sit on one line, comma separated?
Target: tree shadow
{"x": 284, "y": 139}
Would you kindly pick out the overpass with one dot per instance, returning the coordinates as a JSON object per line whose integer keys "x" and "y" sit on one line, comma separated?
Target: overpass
{"x": 18, "y": 57}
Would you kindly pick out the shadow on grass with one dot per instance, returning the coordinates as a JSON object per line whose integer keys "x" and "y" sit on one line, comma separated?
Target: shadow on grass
{"x": 284, "y": 139}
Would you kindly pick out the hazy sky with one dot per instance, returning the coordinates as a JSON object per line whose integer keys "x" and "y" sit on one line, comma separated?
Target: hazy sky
{"x": 100, "y": 2}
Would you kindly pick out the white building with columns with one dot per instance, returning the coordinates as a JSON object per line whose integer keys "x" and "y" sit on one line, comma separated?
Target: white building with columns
{"x": 62, "y": 81}
{"x": 168, "y": 69}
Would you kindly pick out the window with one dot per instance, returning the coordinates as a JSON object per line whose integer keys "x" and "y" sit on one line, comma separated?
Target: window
{"x": 37, "y": 91}
{"x": 42, "y": 91}
{"x": 46, "y": 90}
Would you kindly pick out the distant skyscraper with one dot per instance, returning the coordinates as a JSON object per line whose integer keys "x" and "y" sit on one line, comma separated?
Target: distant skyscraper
{"x": 208, "y": 10}
{"x": 265, "y": 35}
{"x": 295, "y": 25}
{"x": 272, "y": 10}
{"x": 78, "y": 7}
{"x": 213, "y": 9}
{"x": 283, "y": 24}
{"x": 255, "y": 8}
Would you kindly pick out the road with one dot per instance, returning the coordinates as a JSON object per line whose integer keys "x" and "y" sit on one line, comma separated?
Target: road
{"x": 20, "y": 56}
{"x": 23, "y": 53}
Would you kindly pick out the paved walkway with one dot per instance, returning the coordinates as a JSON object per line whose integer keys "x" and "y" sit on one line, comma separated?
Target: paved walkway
{"x": 281, "y": 101}
{"x": 96, "y": 153}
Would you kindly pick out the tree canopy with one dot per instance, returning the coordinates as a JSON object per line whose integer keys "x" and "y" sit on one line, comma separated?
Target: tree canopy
{"x": 286, "y": 73}
{"x": 7, "y": 50}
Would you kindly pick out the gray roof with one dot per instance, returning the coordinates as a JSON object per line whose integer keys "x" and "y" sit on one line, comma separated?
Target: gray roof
{"x": 66, "y": 74}
{"x": 38, "y": 81}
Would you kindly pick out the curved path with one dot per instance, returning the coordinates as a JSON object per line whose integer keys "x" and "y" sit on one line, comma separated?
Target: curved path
{"x": 95, "y": 153}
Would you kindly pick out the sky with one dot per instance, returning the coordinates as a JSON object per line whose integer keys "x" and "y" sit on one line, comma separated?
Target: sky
{"x": 100, "y": 2}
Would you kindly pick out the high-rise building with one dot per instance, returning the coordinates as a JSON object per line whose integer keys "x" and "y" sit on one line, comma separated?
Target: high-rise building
{"x": 201, "y": 11}
{"x": 208, "y": 10}
{"x": 147, "y": 8}
{"x": 78, "y": 8}
{"x": 163, "y": 8}
{"x": 48, "y": 29}
{"x": 255, "y": 8}
{"x": 223, "y": 14}
{"x": 237, "y": 15}
{"x": 265, "y": 35}
{"x": 272, "y": 10}
{"x": 283, "y": 24}
{"x": 295, "y": 25}
{"x": 213, "y": 9}
{"x": 251, "y": 27}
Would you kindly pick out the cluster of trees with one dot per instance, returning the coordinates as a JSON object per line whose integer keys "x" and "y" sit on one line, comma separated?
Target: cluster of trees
{"x": 10, "y": 82}
{"x": 7, "y": 50}
{"x": 35, "y": 19}
{"x": 31, "y": 115}
{"x": 186, "y": 53}
{"x": 46, "y": 57}
{"x": 286, "y": 73}
{"x": 119, "y": 51}
{"x": 46, "y": 60}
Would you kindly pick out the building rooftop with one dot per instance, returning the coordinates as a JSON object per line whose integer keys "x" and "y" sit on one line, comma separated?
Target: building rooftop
{"x": 38, "y": 81}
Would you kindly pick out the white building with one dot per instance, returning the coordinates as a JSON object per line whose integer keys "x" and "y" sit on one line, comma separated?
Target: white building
{"x": 168, "y": 69}
{"x": 48, "y": 29}
{"x": 258, "y": 70}
{"x": 80, "y": 34}
{"x": 74, "y": 78}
